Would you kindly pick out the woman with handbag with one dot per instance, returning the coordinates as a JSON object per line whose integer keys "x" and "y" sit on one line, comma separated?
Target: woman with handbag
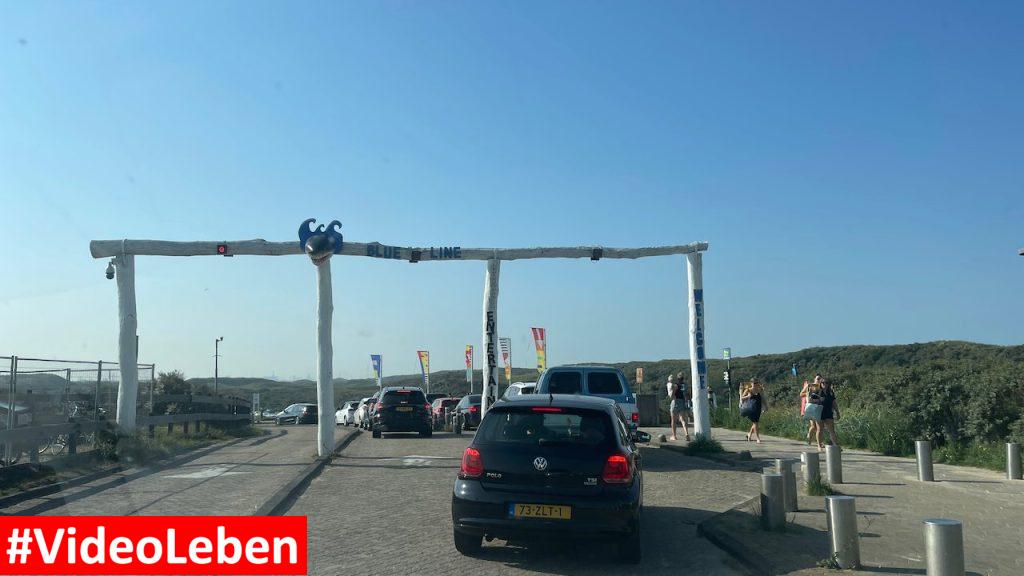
{"x": 810, "y": 395}
{"x": 752, "y": 403}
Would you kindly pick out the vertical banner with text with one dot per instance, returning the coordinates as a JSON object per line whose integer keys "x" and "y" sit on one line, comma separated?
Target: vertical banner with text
{"x": 425, "y": 368}
{"x": 469, "y": 364}
{"x": 506, "y": 356}
{"x": 541, "y": 342}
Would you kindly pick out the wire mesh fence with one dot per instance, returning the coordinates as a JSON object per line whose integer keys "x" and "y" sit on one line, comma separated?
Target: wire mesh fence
{"x": 40, "y": 392}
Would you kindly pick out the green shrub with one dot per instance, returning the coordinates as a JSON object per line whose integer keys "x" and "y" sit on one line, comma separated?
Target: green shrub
{"x": 991, "y": 455}
{"x": 703, "y": 445}
{"x": 891, "y": 434}
{"x": 819, "y": 487}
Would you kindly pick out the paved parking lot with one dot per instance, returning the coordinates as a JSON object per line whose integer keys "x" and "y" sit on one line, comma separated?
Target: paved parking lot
{"x": 383, "y": 507}
{"x": 230, "y": 479}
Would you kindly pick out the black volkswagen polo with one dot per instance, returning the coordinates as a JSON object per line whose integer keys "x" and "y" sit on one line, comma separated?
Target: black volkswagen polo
{"x": 543, "y": 466}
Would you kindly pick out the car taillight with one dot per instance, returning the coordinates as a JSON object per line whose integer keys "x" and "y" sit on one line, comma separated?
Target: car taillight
{"x": 616, "y": 470}
{"x": 474, "y": 408}
{"x": 635, "y": 417}
{"x": 472, "y": 464}
{"x": 551, "y": 409}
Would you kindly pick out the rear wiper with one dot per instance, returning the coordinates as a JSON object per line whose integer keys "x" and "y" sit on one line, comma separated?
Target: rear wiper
{"x": 550, "y": 441}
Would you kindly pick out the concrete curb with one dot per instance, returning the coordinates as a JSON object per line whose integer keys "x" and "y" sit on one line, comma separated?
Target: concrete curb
{"x": 748, "y": 465}
{"x": 281, "y": 501}
{"x": 751, "y": 559}
{"x": 58, "y": 487}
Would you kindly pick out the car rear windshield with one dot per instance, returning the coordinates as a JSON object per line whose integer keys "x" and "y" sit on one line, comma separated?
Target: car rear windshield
{"x": 474, "y": 398}
{"x": 565, "y": 383}
{"x": 604, "y": 383}
{"x": 553, "y": 426}
{"x": 396, "y": 397}
{"x": 448, "y": 402}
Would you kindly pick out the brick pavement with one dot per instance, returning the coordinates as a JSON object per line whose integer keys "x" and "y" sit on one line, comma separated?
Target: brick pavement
{"x": 383, "y": 507}
{"x": 891, "y": 504}
{"x": 231, "y": 480}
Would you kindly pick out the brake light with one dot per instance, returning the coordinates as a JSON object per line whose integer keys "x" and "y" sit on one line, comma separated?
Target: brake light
{"x": 635, "y": 417}
{"x": 474, "y": 408}
{"x": 617, "y": 470}
{"x": 472, "y": 464}
{"x": 546, "y": 409}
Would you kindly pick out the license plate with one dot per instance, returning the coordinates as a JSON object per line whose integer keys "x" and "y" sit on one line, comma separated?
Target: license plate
{"x": 545, "y": 511}
{"x": 404, "y": 409}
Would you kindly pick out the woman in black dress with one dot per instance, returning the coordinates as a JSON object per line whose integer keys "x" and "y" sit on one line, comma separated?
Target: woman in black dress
{"x": 829, "y": 413}
{"x": 754, "y": 394}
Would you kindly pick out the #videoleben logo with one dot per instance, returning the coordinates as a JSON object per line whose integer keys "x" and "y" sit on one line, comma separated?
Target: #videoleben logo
{"x": 154, "y": 545}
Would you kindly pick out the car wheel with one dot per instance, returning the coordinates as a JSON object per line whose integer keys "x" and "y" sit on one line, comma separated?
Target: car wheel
{"x": 629, "y": 549}
{"x": 376, "y": 433}
{"x": 467, "y": 544}
{"x": 426, "y": 433}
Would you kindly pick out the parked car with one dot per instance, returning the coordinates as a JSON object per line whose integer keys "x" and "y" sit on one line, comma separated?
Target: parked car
{"x": 468, "y": 411}
{"x": 402, "y": 410}
{"x": 297, "y": 414}
{"x": 519, "y": 388}
{"x": 437, "y": 408}
{"x": 22, "y": 414}
{"x": 545, "y": 466}
{"x": 371, "y": 407}
{"x": 269, "y": 414}
{"x": 361, "y": 415}
{"x": 346, "y": 414}
{"x": 601, "y": 381}
{"x": 434, "y": 396}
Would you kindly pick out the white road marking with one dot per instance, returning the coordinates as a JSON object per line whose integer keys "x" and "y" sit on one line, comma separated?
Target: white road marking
{"x": 211, "y": 472}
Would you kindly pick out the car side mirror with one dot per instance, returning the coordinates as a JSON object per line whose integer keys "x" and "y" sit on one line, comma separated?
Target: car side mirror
{"x": 641, "y": 437}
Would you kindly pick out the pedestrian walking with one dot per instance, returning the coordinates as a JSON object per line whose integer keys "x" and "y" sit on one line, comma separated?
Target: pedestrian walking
{"x": 829, "y": 414}
{"x": 810, "y": 394}
{"x": 752, "y": 404}
{"x": 677, "y": 403}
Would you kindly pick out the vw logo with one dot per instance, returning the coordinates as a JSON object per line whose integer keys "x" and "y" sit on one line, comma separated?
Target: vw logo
{"x": 540, "y": 463}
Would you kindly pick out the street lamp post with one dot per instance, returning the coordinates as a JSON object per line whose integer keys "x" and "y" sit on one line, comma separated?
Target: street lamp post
{"x": 216, "y": 364}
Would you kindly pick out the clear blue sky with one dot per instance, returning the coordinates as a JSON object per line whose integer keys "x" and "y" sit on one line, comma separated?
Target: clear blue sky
{"x": 857, "y": 167}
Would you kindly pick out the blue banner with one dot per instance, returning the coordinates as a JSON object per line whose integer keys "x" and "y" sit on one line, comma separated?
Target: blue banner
{"x": 375, "y": 359}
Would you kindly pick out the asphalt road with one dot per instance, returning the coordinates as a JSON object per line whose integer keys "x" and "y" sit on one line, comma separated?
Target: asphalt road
{"x": 230, "y": 479}
{"x": 383, "y": 507}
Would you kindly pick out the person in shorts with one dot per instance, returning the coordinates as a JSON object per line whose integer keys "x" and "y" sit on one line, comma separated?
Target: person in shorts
{"x": 678, "y": 403}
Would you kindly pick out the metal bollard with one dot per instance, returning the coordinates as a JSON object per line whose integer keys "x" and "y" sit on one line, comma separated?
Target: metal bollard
{"x": 844, "y": 542}
{"x": 923, "y": 448}
{"x": 785, "y": 467}
{"x": 834, "y": 464}
{"x": 812, "y": 467}
{"x": 944, "y": 547}
{"x": 1013, "y": 461}
{"x": 773, "y": 513}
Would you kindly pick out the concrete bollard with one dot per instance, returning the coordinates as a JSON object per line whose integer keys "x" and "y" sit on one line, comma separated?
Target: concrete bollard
{"x": 1013, "y": 471}
{"x": 834, "y": 464}
{"x": 944, "y": 547}
{"x": 785, "y": 467}
{"x": 773, "y": 512}
{"x": 844, "y": 542}
{"x": 923, "y": 448}
{"x": 812, "y": 467}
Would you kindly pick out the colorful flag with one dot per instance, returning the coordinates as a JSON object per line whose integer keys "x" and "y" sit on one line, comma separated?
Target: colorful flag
{"x": 469, "y": 363}
{"x": 425, "y": 367}
{"x": 375, "y": 360}
{"x": 506, "y": 356}
{"x": 541, "y": 342}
